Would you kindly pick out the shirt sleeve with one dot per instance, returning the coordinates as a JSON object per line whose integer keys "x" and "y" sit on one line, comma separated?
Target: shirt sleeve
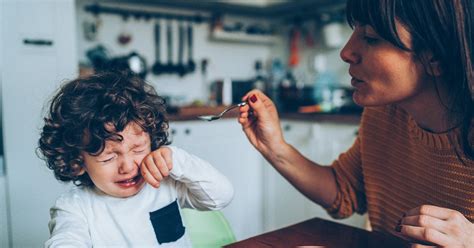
{"x": 68, "y": 228}
{"x": 199, "y": 184}
{"x": 350, "y": 196}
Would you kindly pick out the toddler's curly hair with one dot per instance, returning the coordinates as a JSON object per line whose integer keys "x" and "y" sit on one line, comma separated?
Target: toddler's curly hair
{"x": 80, "y": 112}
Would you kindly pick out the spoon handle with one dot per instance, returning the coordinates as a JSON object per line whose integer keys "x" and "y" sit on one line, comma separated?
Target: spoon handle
{"x": 233, "y": 106}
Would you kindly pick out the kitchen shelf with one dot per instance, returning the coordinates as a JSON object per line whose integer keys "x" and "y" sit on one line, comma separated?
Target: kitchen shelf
{"x": 274, "y": 10}
{"x": 220, "y": 35}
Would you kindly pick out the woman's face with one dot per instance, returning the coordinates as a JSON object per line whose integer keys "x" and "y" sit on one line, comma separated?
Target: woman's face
{"x": 381, "y": 72}
{"x": 116, "y": 171}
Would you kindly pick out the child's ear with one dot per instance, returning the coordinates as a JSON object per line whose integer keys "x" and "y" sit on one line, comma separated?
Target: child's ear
{"x": 81, "y": 171}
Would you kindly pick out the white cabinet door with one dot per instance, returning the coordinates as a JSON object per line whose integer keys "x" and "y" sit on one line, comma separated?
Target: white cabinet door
{"x": 3, "y": 209}
{"x": 283, "y": 204}
{"x": 38, "y": 52}
{"x": 322, "y": 143}
{"x": 225, "y": 146}
{"x": 327, "y": 142}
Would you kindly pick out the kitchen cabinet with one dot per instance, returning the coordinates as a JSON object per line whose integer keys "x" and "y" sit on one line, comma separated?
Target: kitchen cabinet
{"x": 225, "y": 146}
{"x": 3, "y": 210}
{"x": 283, "y": 204}
{"x": 328, "y": 140}
{"x": 320, "y": 142}
{"x": 38, "y": 48}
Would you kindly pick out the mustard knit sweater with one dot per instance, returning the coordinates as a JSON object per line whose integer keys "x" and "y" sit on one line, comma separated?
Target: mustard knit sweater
{"x": 395, "y": 166}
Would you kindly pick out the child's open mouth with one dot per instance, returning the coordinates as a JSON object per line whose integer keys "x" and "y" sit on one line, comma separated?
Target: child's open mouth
{"x": 130, "y": 182}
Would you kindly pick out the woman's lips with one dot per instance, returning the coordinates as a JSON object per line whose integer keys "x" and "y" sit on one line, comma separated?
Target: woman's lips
{"x": 355, "y": 82}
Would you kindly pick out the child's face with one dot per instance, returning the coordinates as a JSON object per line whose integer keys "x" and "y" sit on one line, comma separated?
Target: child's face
{"x": 116, "y": 171}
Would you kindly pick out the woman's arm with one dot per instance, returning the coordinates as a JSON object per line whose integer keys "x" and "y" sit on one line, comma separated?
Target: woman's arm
{"x": 261, "y": 124}
{"x": 316, "y": 182}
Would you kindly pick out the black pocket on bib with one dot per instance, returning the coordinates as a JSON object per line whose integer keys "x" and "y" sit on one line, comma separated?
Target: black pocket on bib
{"x": 167, "y": 223}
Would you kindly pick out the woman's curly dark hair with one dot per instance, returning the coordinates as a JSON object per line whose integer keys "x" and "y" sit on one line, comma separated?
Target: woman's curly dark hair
{"x": 84, "y": 106}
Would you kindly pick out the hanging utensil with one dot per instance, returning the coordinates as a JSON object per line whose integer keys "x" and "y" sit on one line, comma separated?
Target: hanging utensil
{"x": 124, "y": 36}
{"x": 191, "y": 64}
{"x": 158, "y": 67}
{"x": 169, "y": 67}
{"x": 181, "y": 67}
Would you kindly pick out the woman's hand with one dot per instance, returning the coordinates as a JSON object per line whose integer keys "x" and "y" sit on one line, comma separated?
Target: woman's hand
{"x": 260, "y": 122}
{"x": 156, "y": 166}
{"x": 438, "y": 226}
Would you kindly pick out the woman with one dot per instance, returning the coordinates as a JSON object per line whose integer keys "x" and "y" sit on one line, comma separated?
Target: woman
{"x": 412, "y": 165}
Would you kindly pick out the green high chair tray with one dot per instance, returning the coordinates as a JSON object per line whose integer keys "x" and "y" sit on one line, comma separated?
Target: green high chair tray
{"x": 207, "y": 229}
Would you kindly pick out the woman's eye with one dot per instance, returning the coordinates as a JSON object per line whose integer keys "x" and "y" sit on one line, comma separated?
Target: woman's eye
{"x": 371, "y": 40}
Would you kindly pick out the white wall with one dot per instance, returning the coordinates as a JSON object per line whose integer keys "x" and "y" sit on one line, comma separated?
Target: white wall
{"x": 30, "y": 74}
{"x": 233, "y": 60}
{"x": 3, "y": 184}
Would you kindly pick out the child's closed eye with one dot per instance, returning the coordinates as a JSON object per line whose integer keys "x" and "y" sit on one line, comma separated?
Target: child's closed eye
{"x": 107, "y": 160}
{"x": 139, "y": 151}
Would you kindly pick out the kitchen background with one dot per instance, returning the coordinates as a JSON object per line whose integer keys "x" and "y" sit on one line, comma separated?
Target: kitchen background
{"x": 289, "y": 49}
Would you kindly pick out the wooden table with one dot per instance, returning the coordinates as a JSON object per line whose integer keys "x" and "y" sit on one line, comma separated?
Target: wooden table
{"x": 318, "y": 232}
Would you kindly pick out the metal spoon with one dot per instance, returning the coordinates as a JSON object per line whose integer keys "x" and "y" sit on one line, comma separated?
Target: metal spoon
{"x": 217, "y": 117}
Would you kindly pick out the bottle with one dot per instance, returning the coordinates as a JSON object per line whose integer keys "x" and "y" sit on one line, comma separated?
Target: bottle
{"x": 276, "y": 76}
{"x": 227, "y": 92}
{"x": 260, "y": 77}
{"x": 324, "y": 84}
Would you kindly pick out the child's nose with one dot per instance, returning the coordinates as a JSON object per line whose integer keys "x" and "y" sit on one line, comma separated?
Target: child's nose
{"x": 128, "y": 165}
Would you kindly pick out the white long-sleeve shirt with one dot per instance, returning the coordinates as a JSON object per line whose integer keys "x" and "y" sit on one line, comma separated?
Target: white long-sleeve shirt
{"x": 82, "y": 217}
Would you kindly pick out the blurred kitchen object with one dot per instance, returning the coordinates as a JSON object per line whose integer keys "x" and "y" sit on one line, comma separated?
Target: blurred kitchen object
{"x": 98, "y": 56}
{"x": 324, "y": 83}
{"x": 294, "y": 57}
{"x": 169, "y": 67}
{"x": 134, "y": 62}
{"x": 332, "y": 30}
{"x": 191, "y": 67}
{"x": 125, "y": 36}
{"x": 221, "y": 92}
{"x": 293, "y": 94}
{"x": 180, "y": 67}
{"x": 157, "y": 67}
{"x": 277, "y": 73}
{"x": 205, "y": 88}
{"x": 90, "y": 28}
{"x": 227, "y": 92}
{"x": 240, "y": 88}
{"x": 260, "y": 77}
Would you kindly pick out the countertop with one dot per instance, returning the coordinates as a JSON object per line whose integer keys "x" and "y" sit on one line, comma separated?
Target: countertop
{"x": 190, "y": 113}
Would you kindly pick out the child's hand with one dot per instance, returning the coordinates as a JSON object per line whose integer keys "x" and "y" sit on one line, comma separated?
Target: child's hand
{"x": 156, "y": 166}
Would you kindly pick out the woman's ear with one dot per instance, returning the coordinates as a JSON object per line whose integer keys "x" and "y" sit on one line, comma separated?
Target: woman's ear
{"x": 435, "y": 68}
{"x": 434, "y": 65}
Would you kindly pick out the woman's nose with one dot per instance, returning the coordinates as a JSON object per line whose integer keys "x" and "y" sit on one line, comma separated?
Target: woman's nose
{"x": 349, "y": 53}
